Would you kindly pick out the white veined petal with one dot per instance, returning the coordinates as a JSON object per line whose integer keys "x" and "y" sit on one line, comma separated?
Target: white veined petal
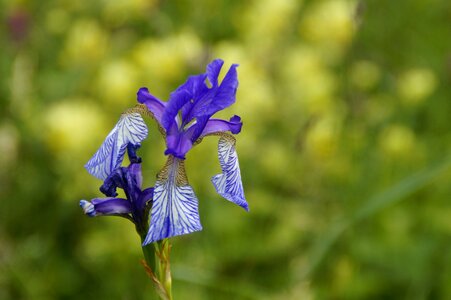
{"x": 229, "y": 184}
{"x": 129, "y": 129}
{"x": 175, "y": 206}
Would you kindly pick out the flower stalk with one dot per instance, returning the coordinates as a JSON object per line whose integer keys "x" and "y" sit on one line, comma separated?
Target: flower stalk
{"x": 159, "y": 260}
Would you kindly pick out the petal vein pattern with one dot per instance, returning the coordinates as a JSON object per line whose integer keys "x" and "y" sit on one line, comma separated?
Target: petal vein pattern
{"x": 229, "y": 184}
{"x": 175, "y": 206}
{"x": 129, "y": 129}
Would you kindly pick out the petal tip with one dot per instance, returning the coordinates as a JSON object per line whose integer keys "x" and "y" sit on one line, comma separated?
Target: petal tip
{"x": 88, "y": 208}
{"x": 238, "y": 124}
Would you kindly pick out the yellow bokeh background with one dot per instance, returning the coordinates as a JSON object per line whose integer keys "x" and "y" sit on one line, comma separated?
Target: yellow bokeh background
{"x": 344, "y": 152}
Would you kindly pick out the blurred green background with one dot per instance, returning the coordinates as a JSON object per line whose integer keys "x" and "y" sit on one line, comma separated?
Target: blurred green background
{"x": 345, "y": 149}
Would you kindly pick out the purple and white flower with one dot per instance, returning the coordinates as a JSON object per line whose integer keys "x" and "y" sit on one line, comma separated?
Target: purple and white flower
{"x": 133, "y": 207}
{"x": 185, "y": 119}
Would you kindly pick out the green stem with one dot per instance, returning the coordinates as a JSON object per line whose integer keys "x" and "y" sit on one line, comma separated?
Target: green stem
{"x": 157, "y": 258}
{"x": 162, "y": 256}
{"x": 148, "y": 252}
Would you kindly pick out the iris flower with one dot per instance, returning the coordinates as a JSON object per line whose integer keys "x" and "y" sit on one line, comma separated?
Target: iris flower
{"x": 184, "y": 120}
{"x": 133, "y": 207}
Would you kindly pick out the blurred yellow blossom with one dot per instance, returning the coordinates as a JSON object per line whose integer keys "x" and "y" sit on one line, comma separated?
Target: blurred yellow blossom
{"x": 72, "y": 124}
{"x": 322, "y": 137}
{"x": 163, "y": 60}
{"x": 329, "y": 21}
{"x": 255, "y": 94}
{"x": 268, "y": 19}
{"x": 117, "y": 82}
{"x": 397, "y": 141}
{"x": 309, "y": 80}
{"x": 86, "y": 43}
{"x": 119, "y": 11}
{"x": 274, "y": 159}
{"x": 415, "y": 85}
{"x": 330, "y": 24}
{"x": 364, "y": 74}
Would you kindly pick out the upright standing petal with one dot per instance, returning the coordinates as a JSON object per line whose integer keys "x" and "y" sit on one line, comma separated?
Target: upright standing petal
{"x": 226, "y": 92}
{"x": 228, "y": 184}
{"x": 129, "y": 129}
{"x": 213, "y": 70}
{"x": 170, "y": 119}
{"x": 175, "y": 207}
{"x": 218, "y": 97}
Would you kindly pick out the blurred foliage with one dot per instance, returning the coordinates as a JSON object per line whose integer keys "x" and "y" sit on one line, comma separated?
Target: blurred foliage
{"x": 345, "y": 149}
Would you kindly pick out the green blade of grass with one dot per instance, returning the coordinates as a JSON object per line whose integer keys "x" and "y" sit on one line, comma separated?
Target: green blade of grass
{"x": 373, "y": 205}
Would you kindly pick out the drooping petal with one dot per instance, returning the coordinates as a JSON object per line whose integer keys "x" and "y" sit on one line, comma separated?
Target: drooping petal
{"x": 129, "y": 129}
{"x": 214, "y": 126}
{"x": 229, "y": 184}
{"x": 105, "y": 206}
{"x": 175, "y": 206}
{"x": 153, "y": 104}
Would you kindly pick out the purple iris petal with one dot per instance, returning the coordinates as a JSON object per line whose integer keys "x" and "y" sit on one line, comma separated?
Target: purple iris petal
{"x": 131, "y": 151}
{"x": 146, "y": 196}
{"x": 134, "y": 175}
{"x": 213, "y": 70}
{"x": 154, "y": 105}
{"x": 127, "y": 178}
{"x": 106, "y": 206}
{"x": 177, "y": 100}
{"x": 196, "y": 88}
{"x": 187, "y": 113}
{"x": 218, "y": 125}
{"x": 178, "y": 145}
{"x": 226, "y": 92}
{"x": 207, "y": 101}
{"x": 130, "y": 180}
{"x": 112, "y": 182}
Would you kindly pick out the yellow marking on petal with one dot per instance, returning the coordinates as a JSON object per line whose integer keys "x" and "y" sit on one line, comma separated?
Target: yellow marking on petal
{"x": 144, "y": 111}
{"x": 221, "y": 134}
{"x": 174, "y": 165}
